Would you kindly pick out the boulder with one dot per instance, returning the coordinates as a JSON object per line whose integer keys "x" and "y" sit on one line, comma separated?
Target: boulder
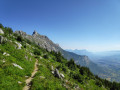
{"x": 1, "y": 39}
{"x": 52, "y": 72}
{"x": 1, "y": 31}
{"x": 56, "y": 73}
{"x": 6, "y": 54}
{"x": 40, "y": 57}
{"x": 19, "y": 82}
{"x": 26, "y": 76}
{"x": 19, "y": 45}
{"x": 42, "y": 77}
{"x": 14, "y": 64}
{"x": 62, "y": 76}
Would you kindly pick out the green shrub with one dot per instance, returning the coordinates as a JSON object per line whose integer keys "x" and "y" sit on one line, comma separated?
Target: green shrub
{"x": 37, "y": 52}
{"x": 1, "y": 26}
{"x": 64, "y": 69}
{"x": 71, "y": 64}
{"x": 46, "y": 56}
{"x": 19, "y": 38}
{"x": 98, "y": 83}
{"x": 85, "y": 71}
{"x": 7, "y": 31}
{"x": 28, "y": 41}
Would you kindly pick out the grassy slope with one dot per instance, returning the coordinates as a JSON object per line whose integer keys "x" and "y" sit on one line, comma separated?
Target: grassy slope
{"x": 44, "y": 79}
{"x": 75, "y": 76}
{"x": 9, "y": 74}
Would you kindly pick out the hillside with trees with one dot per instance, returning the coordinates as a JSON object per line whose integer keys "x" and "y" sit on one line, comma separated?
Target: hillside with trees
{"x": 18, "y": 58}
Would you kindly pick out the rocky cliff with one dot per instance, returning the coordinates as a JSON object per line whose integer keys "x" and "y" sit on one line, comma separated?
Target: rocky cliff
{"x": 40, "y": 40}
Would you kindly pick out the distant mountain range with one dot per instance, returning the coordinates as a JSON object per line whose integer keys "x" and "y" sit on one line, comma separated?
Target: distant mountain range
{"x": 80, "y": 52}
{"x": 109, "y": 60}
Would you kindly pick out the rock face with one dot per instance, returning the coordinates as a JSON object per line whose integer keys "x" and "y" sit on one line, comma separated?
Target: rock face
{"x": 1, "y": 39}
{"x": 6, "y": 54}
{"x": 57, "y": 74}
{"x": 14, "y": 64}
{"x": 19, "y": 45}
{"x": 61, "y": 75}
{"x": 45, "y": 42}
{"x": 1, "y": 31}
{"x": 40, "y": 40}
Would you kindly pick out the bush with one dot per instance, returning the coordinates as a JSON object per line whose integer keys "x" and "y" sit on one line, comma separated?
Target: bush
{"x": 58, "y": 57}
{"x": 59, "y": 67}
{"x": 8, "y": 31}
{"x": 37, "y": 52}
{"x": 98, "y": 83}
{"x": 1, "y": 26}
{"x": 28, "y": 41}
{"x": 77, "y": 77}
{"x": 46, "y": 56}
{"x": 71, "y": 64}
{"x": 24, "y": 44}
{"x": 64, "y": 69}
{"x": 86, "y": 71}
{"x": 19, "y": 38}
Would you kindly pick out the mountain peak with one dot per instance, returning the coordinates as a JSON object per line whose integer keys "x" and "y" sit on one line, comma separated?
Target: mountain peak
{"x": 34, "y": 33}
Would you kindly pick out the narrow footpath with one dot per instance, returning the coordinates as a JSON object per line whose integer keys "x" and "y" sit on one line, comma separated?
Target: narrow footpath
{"x": 29, "y": 80}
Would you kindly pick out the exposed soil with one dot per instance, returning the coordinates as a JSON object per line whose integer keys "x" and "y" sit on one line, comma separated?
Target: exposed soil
{"x": 29, "y": 80}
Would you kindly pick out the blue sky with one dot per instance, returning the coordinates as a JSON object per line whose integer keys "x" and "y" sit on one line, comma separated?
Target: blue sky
{"x": 73, "y": 24}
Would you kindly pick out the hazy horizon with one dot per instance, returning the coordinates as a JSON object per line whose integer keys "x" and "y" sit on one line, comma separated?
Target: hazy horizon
{"x": 91, "y": 24}
{"x": 94, "y": 51}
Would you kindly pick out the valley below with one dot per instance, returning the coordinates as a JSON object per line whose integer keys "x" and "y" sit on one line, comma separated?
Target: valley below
{"x": 108, "y": 60}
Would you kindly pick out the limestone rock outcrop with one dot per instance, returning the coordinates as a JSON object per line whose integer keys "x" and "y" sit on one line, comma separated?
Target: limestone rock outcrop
{"x": 1, "y": 31}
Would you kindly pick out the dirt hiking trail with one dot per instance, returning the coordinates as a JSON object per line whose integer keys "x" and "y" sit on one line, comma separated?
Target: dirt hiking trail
{"x": 29, "y": 80}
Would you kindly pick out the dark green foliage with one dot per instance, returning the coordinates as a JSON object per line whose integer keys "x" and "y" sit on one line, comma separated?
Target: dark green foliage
{"x": 16, "y": 35}
{"x": 28, "y": 41}
{"x": 1, "y": 26}
{"x": 37, "y": 52}
{"x": 71, "y": 64}
{"x": 115, "y": 86}
{"x": 59, "y": 66}
{"x": 19, "y": 38}
{"x": 98, "y": 83}
{"x": 64, "y": 69}
{"x": 107, "y": 84}
{"x": 78, "y": 77}
{"x": 78, "y": 66}
{"x": 7, "y": 31}
{"x": 58, "y": 57}
{"x": 46, "y": 56}
{"x": 85, "y": 70}
{"x": 24, "y": 44}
